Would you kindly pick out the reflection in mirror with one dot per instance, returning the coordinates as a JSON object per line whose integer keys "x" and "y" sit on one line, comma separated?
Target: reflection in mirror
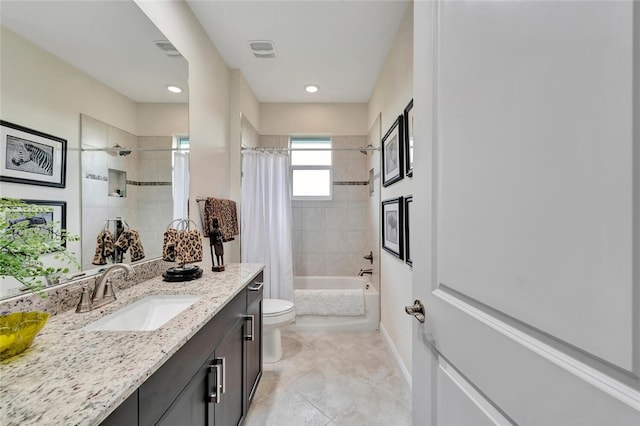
{"x": 126, "y": 193}
{"x": 96, "y": 62}
{"x": 249, "y": 136}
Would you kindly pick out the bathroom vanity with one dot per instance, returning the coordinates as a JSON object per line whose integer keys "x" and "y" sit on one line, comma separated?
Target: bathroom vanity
{"x": 200, "y": 368}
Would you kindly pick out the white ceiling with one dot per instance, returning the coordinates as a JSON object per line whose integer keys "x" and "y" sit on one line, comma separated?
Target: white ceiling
{"x": 110, "y": 40}
{"x": 338, "y": 45}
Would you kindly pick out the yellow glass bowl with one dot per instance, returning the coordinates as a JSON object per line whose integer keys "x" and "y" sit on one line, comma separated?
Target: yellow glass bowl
{"x": 18, "y": 330}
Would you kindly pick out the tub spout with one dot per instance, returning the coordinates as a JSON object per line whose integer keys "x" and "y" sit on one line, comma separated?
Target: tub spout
{"x": 364, "y": 272}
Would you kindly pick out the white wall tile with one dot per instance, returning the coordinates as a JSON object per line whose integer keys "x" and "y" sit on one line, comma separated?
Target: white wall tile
{"x": 313, "y": 242}
{"x": 335, "y": 242}
{"x": 313, "y": 264}
{"x": 336, "y": 218}
{"x": 357, "y": 217}
{"x": 313, "y": 219}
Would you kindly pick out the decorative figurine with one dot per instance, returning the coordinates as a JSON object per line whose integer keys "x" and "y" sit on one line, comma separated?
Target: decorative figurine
{"x": 216, "y": 240}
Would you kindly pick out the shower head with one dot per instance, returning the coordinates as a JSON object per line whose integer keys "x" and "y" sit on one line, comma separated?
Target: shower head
{"x": 121, "y": 150}
{"x": 363, "y": 151}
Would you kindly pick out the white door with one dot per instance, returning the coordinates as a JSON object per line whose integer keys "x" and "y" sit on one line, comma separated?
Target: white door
{"x": 527, "y": 160}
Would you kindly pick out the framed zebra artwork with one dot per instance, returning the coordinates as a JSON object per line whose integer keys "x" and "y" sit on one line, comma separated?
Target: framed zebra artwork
{"x": 31, "y": 157}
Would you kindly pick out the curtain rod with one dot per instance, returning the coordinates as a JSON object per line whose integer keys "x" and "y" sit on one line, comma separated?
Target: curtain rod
{"x": 133, "y": 149}
{"x": 275, "y": 148}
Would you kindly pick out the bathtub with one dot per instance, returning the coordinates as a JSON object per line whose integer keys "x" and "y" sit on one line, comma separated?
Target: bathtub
{"x": 369, "y": 321}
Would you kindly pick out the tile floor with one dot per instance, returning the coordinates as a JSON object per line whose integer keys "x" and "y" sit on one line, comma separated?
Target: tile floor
{"x": 331, "y": 378}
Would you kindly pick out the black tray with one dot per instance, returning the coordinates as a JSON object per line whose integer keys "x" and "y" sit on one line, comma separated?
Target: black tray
{"x": 182, "y": 273}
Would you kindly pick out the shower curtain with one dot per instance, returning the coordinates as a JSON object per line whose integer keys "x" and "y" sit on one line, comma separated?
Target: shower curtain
{"x": 180, "y": 187}
{"x": 266, "y": 220}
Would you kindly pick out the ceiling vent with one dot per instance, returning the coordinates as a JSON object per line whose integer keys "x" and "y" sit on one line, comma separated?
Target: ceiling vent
{"x": 262, "y": 49}
{"x": 167, "y": 48}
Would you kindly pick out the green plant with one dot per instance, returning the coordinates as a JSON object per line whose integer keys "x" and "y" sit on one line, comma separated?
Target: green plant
{"x": 24, "y": 239}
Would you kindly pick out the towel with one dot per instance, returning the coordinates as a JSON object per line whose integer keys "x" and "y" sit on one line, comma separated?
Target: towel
{"x": 188, "y": 246}
{"x": 130, "y": 239}
{"x": 225, "y": 211}
{"x": 348, "y": 302}
{"x": 169, "y": 240}
{"x": 104, "y": 247}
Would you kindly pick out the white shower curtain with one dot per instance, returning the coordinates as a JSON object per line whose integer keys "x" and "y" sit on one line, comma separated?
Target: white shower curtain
{"x": 180, "y": 184}
{"x": 266, "y": 220}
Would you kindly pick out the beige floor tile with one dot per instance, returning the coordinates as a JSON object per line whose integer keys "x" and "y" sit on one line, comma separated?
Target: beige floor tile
{"x": 334, "y": 378}
{"x": 284, "y": 407}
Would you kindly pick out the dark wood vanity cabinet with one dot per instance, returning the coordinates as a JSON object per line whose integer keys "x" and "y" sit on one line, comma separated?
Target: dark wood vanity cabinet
{"x": 212, "y": 378}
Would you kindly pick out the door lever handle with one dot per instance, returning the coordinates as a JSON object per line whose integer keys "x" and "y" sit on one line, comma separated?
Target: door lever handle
{"x": 416, "y": 310}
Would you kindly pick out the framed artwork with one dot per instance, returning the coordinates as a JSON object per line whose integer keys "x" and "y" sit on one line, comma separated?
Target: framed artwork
{"x": 31, "y": 157}
{"x": 52, "y": 221}
{"x": 408, "y": 203}
{"x": 392, "y": 226}
{"x": 408, "y": 139}
{"x": 392, "y": 150}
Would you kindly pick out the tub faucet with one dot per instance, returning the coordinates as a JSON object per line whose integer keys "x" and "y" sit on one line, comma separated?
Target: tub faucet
{"x": 364, "y": 272}
{"x": 103, "y": 292}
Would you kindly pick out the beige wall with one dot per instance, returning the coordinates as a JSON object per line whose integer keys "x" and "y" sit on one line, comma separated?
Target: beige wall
{"x": 315, "y": 119}
{"x": 392, "y": 93}
{"x": 243, "y": 104}
{"x": 162, "y": 119}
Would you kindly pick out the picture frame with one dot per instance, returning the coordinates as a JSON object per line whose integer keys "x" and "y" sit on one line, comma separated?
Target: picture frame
{"x": 408, "y": 203}
{"x": 57, "y": 214}
{"x": 392, "y": 153}
{"x": 31, "y": 157}
{"x": 392, "y": 226}
{"x": 408, "y": 139}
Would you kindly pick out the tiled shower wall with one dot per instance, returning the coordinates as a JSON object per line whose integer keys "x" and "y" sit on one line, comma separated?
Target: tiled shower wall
{"x": 147, "y": 206}
{"x": 332, "y": 237}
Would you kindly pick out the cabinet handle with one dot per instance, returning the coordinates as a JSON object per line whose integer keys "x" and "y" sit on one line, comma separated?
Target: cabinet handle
{"x": 223, "y": 387}
{"x": 216, "y": 373}
{"x": 252, "y": 332}
{"x": 257, "y": 287}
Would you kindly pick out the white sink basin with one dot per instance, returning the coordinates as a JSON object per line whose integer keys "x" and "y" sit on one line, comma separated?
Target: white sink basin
{"x": 146, "y": 314}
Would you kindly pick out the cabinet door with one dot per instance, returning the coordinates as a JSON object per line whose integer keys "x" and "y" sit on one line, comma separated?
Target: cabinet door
{"x": 191, "y": 407}
{"x": 253, "y": 342}
{"x": 228, "y": 411}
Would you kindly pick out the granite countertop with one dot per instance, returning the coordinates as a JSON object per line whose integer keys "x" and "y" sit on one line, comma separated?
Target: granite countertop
{"x": 75, "y": 377}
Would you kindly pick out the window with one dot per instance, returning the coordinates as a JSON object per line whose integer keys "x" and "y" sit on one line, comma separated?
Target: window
{"x": 180, "y": 182}
{"x": 182, "y": 143}
{"x": 311, "y": 168}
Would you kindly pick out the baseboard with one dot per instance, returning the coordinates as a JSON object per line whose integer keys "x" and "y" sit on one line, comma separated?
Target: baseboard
{"x": 396, "y": 355}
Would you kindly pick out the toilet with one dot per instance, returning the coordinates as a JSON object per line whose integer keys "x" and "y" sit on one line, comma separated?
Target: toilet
{"x": 276, "y": 313}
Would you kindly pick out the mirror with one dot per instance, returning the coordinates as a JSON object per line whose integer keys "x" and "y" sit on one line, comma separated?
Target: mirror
{"x": 93, "y": 74}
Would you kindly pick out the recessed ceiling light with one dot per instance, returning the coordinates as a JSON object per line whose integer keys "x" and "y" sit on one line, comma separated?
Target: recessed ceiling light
{"x": 174, "y": 89}
{"x": 311, "y": 88}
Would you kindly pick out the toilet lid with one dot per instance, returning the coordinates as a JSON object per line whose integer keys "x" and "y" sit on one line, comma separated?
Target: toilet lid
{"x": 276, "y": 307}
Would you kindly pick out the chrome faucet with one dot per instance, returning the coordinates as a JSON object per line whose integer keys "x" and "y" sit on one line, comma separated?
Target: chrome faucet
{"x": 103, "y": 292}
{"x": 364, "y": 272}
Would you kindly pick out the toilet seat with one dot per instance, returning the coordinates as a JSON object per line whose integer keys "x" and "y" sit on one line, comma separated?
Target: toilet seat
{"x": 275, "y": 307}
{"x": 277, "y": 312}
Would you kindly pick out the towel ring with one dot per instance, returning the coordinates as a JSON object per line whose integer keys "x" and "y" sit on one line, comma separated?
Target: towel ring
{"x": 184, "y": 224}
{"x": 172, "y": 222}
{"x": 187, "y": 223}
{"x": 108, "y": 221}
